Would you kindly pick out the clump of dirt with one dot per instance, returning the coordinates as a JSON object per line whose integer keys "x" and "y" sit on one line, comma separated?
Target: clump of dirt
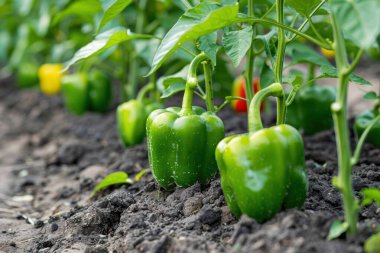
{"x": 56, "y": 159}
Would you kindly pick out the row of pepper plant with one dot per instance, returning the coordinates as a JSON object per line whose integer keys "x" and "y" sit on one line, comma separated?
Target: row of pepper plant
{"x": 199, "y": 43}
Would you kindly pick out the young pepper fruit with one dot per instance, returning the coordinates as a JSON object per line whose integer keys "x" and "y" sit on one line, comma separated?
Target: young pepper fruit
{"x": 310, "y": 109}
{"x": 238, "y": 90}
{"x": 74, "y": 91}
{"x": 362, "y": 121}
{"x": 27, "y": 75}
{"x": 99, "y": 91}
{"x": 263, "y": 170}
{"x": 50, "y": 78}
{"x": 131, "y": 119}
{"x": 182, "y": 141}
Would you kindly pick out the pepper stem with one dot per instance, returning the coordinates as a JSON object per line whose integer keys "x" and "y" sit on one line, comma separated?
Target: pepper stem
{"x": 254, "y": 116}
{"x": 144, "y": 90}
{"x": 191, "y": 84}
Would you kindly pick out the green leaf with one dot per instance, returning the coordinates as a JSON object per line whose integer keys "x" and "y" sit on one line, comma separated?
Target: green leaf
{"x": 174, "y": 83}
{"x": 208, "y": 45}
{"x": 23, "y": 34}
{"x": 359, "y": 20}
{"x": 305, "y": 8}
{"x": 112, "y": 179}
{"x": 328, "y": 71}
{"x": 370, "y": 195}
{"x": 337, "y": 229}
{"x": 111, "y": 9}
{"x": 104, "y": 41}
{"x": 269, "y": 41}
{"x": 44, "y": 18}
{"x": 196, "y": 22}
{"x": 237, "y": 43}
{"x": 302, "y": 53}
{"x": 85, "y": 9}
{"x": 295, "y": 78}
{"x": 371, "y": 95}
{"x": 372, "y": 245}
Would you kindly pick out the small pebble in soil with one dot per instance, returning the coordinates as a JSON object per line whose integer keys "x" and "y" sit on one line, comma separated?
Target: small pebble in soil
{"x": 54, "y": 227}
{"x": 38, "y": 224}
{"x": 12, "y": 244}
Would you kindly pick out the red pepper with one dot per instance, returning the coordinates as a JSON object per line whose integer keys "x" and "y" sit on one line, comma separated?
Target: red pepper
{"x": 239, "y": 91}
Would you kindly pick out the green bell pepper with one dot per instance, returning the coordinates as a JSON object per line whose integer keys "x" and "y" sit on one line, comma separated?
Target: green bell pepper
{"x": 27, "y": 75}
{"x": 182, "y": 141}
{"x": 99, "y": 91}
{"x": 263, "y": 170}
{"x": 310, "y": 109}
{"x": 74, "y": 91}
{"x": 131, "y": 119}
{"x": 181, "y": 145}
{"x": 362, "y": 121}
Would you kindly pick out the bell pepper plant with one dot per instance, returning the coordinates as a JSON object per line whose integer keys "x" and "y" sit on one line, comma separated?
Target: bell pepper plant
{"x": 253, "y": 182}
{"x": 182, "y": 141}
{"x": 27, "y": 75}
{"x": 75, "y": 93}
{"x": 310, "y": 110}
{"x": 82, "y": 92}
{"x": 131, "y": 117}
{"x": 99, "y": 91}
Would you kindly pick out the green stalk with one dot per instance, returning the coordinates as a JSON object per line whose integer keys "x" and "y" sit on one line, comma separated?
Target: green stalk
{"x": 155, "y": 91}
{"x": 191, "y": 84}
{"x": 278, "y": 69}
{"x": 208, "y": 84}
{"x": 265, "y": 21}
{"x": 359, "y": 146}
{"x": 311, "y": 73}
{"x": 133, "y": 63}
{"x": 254, "y": 116}
{"x": 339, "y": 111}
{"x": 251, "y": 58}
{"x": 144, "y": 91}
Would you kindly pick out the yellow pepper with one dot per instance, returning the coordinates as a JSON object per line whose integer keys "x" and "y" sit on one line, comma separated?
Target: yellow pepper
{"x": 50, "y": 78}
{"x": 329, "y": 54}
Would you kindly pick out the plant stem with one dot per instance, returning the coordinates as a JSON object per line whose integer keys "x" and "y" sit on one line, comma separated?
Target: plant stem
{"x": 359, "y": 146}
{"x": 133, "y": 62}
{"x": 287, "y": 28}
{"x": 208, "y": 84}
{"x": 311, "y": 73}
{"x": 339, "y": 111}
{"x": 144, "y": 90}
{"x": 191, "y": 84}
{"x": 315, "y": 31}
{"x": 278, "y": 69}
{"x": 306, "y": 21}
{"x": 269, "y": 11}
{"x": 251, "y": 58}
{"x": 254, "y": 116}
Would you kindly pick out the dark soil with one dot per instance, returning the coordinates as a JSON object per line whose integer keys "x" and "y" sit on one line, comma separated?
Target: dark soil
{"x": 50, "y": 161}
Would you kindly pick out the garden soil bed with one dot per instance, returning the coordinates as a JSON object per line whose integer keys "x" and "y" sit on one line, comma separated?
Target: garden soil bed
{"x": 50, "y": 161}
